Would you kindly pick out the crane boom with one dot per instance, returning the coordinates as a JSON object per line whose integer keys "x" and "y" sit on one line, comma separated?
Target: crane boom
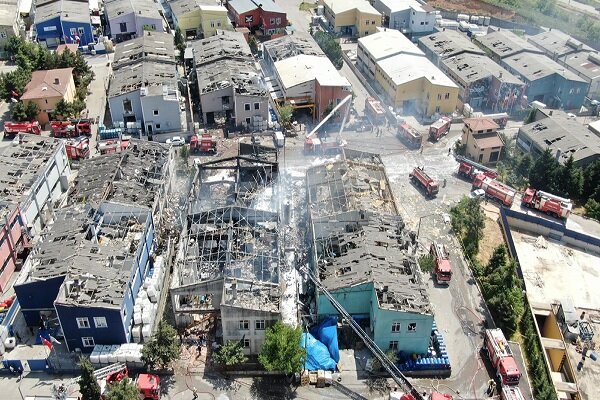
{"x": 331, "y": 114}
{"x": 391, "y": 368}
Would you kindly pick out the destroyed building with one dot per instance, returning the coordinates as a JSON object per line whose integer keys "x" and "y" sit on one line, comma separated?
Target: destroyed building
{"x": 361, "y": 252}
{"x": 229, "y": 83}
{"x": 33, "y": 177}
{"x": 140, "y": 175}
{"x": 229, "y": 256}
{"x": 86, "y": 271}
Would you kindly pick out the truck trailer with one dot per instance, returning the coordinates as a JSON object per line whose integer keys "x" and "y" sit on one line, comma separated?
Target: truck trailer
{"x": 503, "y": 362}
{"x": 410, "y": 135}
{"x": 419, "y": 177}
{"x": 12, "y": 128}
{"x": 548, "y": 203}
{"x": 494, "y": 189}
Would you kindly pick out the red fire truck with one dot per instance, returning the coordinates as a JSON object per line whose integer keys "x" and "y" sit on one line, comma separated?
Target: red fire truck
{"x": 204, "y": 143}
{"x": 410, "y": 135}
{"x": 497, "y": 349}
{"x": 148, "y": 385}
{"x": 374, "y": 110}
{"x": 78, "y": 148}
{"x": 469, "y": 169}
{"x": 69, "y": 129}
{"x": 12, "y": 128}
{"x": 443, "y": 267}
{"x": 113, "y": 146}
{"x": 495, "y": 189}
{"x": 419, "y": 177}
{"x": 547, "y": 203}
{"x": 439, "y": 128}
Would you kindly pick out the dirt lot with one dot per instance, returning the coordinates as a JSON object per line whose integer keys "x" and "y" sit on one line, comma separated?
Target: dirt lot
{"x": 472, "y": 7}
{"x": 492, "y": 234}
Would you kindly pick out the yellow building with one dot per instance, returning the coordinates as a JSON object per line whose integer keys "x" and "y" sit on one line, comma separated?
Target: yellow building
{"x": 47, "y": 88}
{"x": 414, "y": 85}
{"x": 481, "y": 140}
{"x": 351, "y": 17}
{"x": 199, "y": 17}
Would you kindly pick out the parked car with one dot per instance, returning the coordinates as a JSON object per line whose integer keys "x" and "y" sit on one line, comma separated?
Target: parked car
{"x": 477, "y": 194}
{"x": 176, "y": 141}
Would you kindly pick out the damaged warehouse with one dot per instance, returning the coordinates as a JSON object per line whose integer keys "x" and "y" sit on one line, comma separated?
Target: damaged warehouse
{"x": 362, "y": 254}
{"x": 229, "y": 257}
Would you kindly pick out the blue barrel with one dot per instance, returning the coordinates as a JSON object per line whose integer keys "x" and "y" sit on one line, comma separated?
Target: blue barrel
{"x": 593, "y": 356}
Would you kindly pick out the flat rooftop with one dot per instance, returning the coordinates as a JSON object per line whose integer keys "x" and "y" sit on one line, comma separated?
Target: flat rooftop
{"x": 349, "y": 186}
{"x": 242, "y": 75}
{"x": 181, "y": 7}
{"x": 449, "y": 43}
{"x": 395, "y": 5}
{"x": 388, "y": 43}
{"x": 23, "y": 163}
{"x": 557, "y": 43}
{"x": 96, "y": 257}
{"x": 8, "y": 12}
{"x": 244, "y": 6}
{"x": 355, "y": 249}
{"x": 560, "y": 132}
{"x": 349, "y": 5}
{"x": 155, "y": 78}
{"x": 584, "y": 63}
{"x": 224, "y": 45}
{"x": 553, "y": 271}
{"x": 303, "y": 68}
{"x": 251, "y": 295}
{"x": 404, "y": 68}
{"x": 147, "y": 8}
{"x": 68, "y": 10}
{"x": 538, "y": 66}
{"x": 292, "y": 45}
{"x": 504, "y": 43}
{"x": 471, "y": 68}
{"x": 153, "y": 46}
{"x": 133, "y": 176}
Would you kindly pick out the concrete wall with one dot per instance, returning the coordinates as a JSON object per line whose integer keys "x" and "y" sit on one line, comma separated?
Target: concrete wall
{"x": 117, "y": 110}
{"x": 360, "y": 23}
{"x": 37, "y": 295}
{"x": 12, "y": 238}
{"x": 37, "y": 206}
{"x": 421, "y": 22}
{"x": 356, "y": 300}
{"x": 571, "y": 93}
{"x": 83, "y": 29}
{"x": 416, "y": 341}
{"x": 230, "y": 320}
{"x": 168, "y": 117}
{"x": 241, "y": 114}
{"x": 213, "y": 101}
{"x": 211, "y": 20}
{"x": 8, "y": 31}
{"x": 325, "y": 95}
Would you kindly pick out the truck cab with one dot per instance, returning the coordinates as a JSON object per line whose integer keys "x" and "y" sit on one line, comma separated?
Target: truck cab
{"x": 443, "y": 268}
{"x": 149, "y": 386}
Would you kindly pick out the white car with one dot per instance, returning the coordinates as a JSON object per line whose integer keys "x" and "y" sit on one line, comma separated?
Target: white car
{"x": 477, "y": 194}
{"x": 176, "y": 141}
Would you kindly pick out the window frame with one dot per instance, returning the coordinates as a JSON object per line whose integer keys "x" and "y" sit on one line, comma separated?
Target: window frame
{"x": 87, "y": 339}
{"x": 393, "y": 345}
{"x": 411, "y": 327}
{"x": 256, "y": 106}
{"x": 247, "y": 107}
{"x": 244, "y": 325}
{"x": 96, "y": 319}
{"x": 396, "y": 327}
{"x": 260, "y": 322}
{"x": 244, "y": 343}
{"x": 80, "y": 321}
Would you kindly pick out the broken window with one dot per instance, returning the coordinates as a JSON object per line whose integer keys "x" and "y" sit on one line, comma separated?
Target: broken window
{"x": 260, "y": 325}
{"x": 412, "y": 327}
{"x": 127, "y": 105}
{"x": 246, "y": 343}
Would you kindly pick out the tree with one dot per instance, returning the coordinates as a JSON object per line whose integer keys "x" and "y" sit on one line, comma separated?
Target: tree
{"x": 282, "y": 350}
{"x": 67, "y": 110}
{"x": 24, "y": 111}
{"x": 13, "y": 45}
{"x": 285, "y": 115}
{"x": 88, "y": 385}
{"x": 12, "y": 84}
{"x": 591, "y": 181}
{"x": 570, "y": 179}
{"x": 331, "y": 47}
{"x": 592, "y": 209}
{"x": 231, "y": 353}
{"x": 184, "y": 153}
{"x": 468, "y": 221}
{"x": 543, "y": 171}
{"x": 392, "y": 355}
{"x": 253, "y": 44}
{"x": 427, "y": 263}
{"x": 123, "y": 390}
{"x": 162, "y": 348}
{"x": 547, "y": 7}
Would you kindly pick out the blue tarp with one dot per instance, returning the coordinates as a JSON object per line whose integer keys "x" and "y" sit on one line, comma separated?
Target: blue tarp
{"x": 326, "y": 333}
{"x": 317, "y": 355}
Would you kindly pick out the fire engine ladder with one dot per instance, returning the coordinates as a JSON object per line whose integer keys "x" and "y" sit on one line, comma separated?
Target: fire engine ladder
{"x": 103, "y": 373}
{"x": 331, "y": 114}
{"x": 390, "y": 367}
{"x": 473, "y": 163}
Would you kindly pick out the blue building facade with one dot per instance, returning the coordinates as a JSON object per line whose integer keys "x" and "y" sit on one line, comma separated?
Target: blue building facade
{"x": 63, "y": 21}
{"x": 93, "y": 295}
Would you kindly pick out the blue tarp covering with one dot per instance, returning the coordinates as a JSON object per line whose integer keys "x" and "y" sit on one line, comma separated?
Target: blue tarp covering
{"x": 327, "y": 334}
{"x": 317, "y": 355}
